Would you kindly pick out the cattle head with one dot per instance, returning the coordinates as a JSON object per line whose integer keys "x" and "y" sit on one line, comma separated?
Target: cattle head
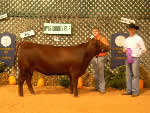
{"x": 96, "y": 46}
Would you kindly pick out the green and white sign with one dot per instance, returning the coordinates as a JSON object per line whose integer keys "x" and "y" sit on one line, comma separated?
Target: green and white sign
{"x": 54, "y": 28}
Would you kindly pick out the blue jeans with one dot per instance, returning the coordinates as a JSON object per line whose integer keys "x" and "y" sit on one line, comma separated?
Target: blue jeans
{"x": 132, "y": 76}
{"x": 98, "y": 66}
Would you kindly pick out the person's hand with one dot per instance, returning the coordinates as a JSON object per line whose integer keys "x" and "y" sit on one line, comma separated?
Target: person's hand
{"x": 124, "y": 50}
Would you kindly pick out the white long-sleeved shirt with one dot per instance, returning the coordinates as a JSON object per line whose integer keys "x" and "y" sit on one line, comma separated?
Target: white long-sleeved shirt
{"x": 136, "y": 44}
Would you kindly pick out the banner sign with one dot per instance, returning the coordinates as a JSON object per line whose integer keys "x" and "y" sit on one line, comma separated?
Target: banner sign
{"x": 53, "y": 28}
{"x": 127, "y": 21}
{"x": 27, "y": 34}
{"x": 7, "y": 48}
{"x": 3, "y": 16}
{"x": 117, "y": 54}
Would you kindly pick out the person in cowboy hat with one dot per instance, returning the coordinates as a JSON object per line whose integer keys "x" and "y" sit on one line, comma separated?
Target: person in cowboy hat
{"x": 135, "y": 44}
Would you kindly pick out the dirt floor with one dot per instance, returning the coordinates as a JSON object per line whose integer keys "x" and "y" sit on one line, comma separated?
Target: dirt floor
{"x": 59, "y": 100}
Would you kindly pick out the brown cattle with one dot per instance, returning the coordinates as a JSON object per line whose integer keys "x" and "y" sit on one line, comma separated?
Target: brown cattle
{"x": 56, "y": 60}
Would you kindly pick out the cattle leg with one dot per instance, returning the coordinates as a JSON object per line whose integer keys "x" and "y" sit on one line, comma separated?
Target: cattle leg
{"x": 28, "y": 80}
{"x": 71, "y": 85}
{"x": 21, "y": 80}
{"x": 75, "y": 82}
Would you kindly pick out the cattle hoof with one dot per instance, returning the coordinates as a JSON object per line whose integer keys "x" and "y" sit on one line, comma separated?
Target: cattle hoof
{"x": 21, "y": 95}
{"x": 71, "y": 92}
{"x": 75, "y": 95}
{"x": 33, "y": 93}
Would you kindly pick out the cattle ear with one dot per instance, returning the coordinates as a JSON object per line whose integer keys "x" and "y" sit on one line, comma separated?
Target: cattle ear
{"x": 89, "y": 39}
